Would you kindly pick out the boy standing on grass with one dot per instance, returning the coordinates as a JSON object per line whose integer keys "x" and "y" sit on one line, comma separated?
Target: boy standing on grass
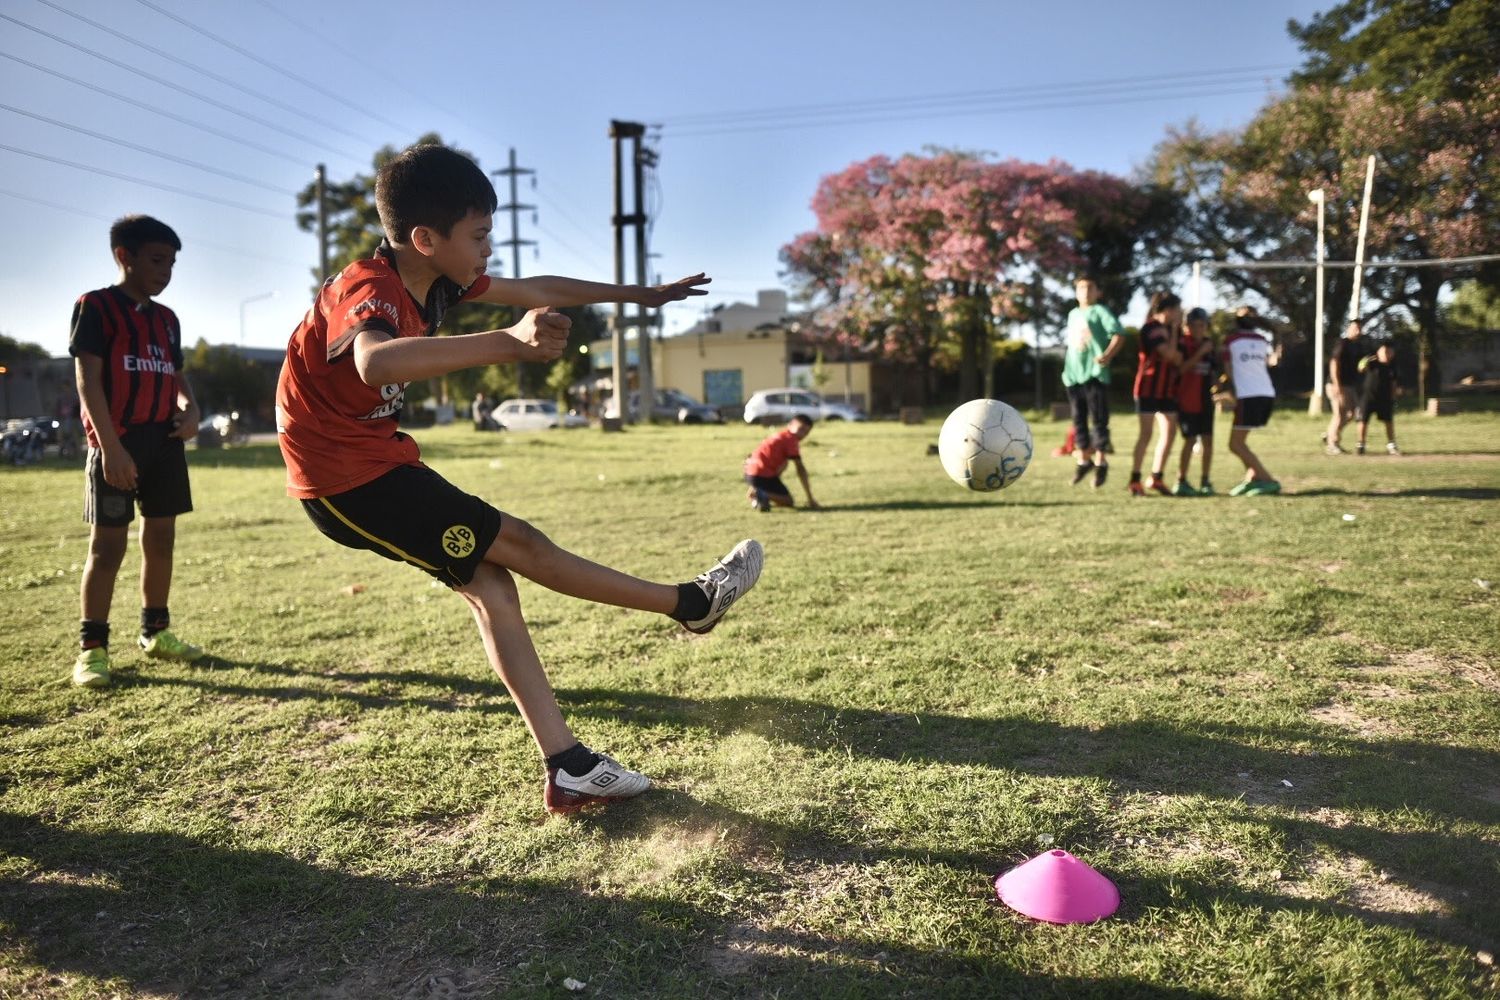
{"x": 764, "y": 466}
{"x": 1094, "y": 338}
{"x": 138, "y": 411}
{"x": 1195, "y": 404}
{"x": 1378, "y": 395}
{"x": 1248, "y": 357}
{"x": 361, "y": 481}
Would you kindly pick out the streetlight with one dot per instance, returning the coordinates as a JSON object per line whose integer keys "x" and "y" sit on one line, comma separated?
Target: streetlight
{"x": 1315, "y": 405}
{"x": 246, "y": 302}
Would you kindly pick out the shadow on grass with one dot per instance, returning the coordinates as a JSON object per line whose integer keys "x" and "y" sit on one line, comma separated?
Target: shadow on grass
{"x": 1434, "y": 493}
{"x": 167, "y": 914}
{"x": 935, "y": 505}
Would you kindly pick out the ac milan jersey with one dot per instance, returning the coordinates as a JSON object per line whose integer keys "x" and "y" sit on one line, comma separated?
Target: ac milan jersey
{"x": 1195, "y": 385}
{"x": 141, "y": 344}
{"x": 335, "y": 431}
{"x": 1154, "y": 378}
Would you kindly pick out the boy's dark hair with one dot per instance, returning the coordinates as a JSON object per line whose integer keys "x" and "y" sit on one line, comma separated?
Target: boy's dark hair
{"x": 430, "y": 185}
{"x": 802, "y": 417}
{"x": 1163, "y": 300}
{"x": 134, "y": 231}
{"x": 1197, "y": 312}
{"x": 1246, "y": 318}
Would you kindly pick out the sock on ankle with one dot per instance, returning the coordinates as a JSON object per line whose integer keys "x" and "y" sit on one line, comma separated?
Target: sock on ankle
{"x": 577, "y": 760}
{"x": 1135, "y": 476}
{"x": 92, "y": 633}
{"x": 692, "y": 603}
{"x": 154, "y": 620}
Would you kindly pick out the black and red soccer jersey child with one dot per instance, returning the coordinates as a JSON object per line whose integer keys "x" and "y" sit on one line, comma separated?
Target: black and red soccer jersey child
{"x": 1156, "y": 389}
{"x": 361, "y": 480}
{"x": 138, "y": 410}
{"x": 1195, "y": 404}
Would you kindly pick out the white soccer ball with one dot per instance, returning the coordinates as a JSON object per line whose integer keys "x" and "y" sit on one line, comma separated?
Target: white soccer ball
{"x": 985, "y": 445}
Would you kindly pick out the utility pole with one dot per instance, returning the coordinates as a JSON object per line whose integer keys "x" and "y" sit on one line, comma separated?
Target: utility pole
{"x": 641, "y": 158}
{"x": 514, "y": 208}
{"x": 322, "y": 193}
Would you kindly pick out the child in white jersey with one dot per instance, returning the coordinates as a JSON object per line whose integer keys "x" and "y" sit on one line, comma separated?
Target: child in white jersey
{"x": 1248, "y": 357}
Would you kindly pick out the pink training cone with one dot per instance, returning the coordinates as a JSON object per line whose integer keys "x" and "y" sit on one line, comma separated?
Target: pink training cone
{"x": 1058, "y": 888}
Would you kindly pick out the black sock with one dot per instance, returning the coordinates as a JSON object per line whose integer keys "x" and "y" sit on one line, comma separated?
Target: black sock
{"x": 1135, "y": 476}
{"x": 154, "y": 620}
{"x": 91, "y": 634}
{"x": 577, "y": 760}
{"x": 692, "y": 603}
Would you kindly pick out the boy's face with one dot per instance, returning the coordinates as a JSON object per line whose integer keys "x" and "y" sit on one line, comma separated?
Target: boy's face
{"x": 1087, "y": 293}
{"x": 1198, "y": 326}
{"x": 463, "y": 254}
{"x": 1385, "y": 353}
{"x": 148, "y": 271}
{"x": 801, "y": 428}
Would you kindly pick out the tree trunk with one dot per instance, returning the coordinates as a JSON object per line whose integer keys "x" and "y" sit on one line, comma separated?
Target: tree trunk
{"x": 1429, "y": 284}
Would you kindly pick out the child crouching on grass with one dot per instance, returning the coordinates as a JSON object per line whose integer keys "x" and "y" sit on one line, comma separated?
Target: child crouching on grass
{"x": 361, "y": 481}
{"x": 769, "y": 459}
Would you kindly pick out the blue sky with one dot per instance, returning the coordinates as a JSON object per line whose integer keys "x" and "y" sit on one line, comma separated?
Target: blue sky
{"x": 546, "y": 79}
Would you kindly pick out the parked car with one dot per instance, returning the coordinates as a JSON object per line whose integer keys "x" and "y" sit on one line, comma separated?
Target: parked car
{"x": 533, "y": 415}
{"x": 671, "y": 404}
{"x": 216, "y": 430}
{"x": 774, "y": 406}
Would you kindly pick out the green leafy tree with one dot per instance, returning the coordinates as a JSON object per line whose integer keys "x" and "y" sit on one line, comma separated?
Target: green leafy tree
{"x": 225, "y": 381}
{"x": 13, "y": 350}
{"x": 1412, "y": 50}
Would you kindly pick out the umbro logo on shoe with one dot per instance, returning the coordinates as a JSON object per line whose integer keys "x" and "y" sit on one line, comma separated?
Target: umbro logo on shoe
{"x": 726, "y": 598}
{"x": 604, "y": 780}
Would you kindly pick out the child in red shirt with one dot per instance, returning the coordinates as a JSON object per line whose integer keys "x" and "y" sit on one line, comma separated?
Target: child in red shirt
{"x": 764, "y": 467}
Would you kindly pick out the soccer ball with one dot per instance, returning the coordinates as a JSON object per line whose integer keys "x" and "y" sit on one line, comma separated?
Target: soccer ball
{"x": 985, "y": 445}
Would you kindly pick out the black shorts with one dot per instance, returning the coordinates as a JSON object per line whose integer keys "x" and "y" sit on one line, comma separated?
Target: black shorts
{"x": 1196, "y": 424}
{"x": 1253, "y": 412}
{"x": 771, "y": 484}
{"x": 1089, "y": 404}
{"x": 161, "y": 479}
{"x": 412, "y": 515}
{"x": 1145, "y": 404}
{"x": 1379, "y": 409}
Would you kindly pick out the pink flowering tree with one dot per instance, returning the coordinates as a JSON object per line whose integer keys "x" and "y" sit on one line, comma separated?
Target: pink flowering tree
{"x": 927, "y": 258}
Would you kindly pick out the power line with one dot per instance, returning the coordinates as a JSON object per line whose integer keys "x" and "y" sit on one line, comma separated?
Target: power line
{"x": 180, "y": 89}
{"x": 300, "y": 161}
{"x": 138, "y": 180}
{"x": 270, "y": 65}
{"x": 962, "y": 96}
{"x": 226, "y": 81}
{"x": 148, "y": 150}
{"x": 968, "y": 112}
{"x": 237, "y": 251}
{"x": 582, "y": 230}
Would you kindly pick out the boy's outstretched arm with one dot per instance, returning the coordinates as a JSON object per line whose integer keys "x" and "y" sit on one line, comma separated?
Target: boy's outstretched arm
{"x": 551, "y": 290}
{"x": 806, "y": 486}
{"x": 382, "y": 359}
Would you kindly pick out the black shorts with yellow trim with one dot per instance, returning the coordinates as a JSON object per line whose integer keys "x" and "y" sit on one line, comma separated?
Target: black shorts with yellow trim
{"x": 412, "y": 515}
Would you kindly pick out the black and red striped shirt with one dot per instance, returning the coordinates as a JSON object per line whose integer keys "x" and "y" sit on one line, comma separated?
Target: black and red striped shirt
{"x": 141, "y": 344}
{"x": 1155, "y": 378}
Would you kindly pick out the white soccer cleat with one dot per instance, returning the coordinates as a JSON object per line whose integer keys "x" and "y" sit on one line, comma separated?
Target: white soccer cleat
{"x": 727, "y": 582}
{"x": 608, "y": 780}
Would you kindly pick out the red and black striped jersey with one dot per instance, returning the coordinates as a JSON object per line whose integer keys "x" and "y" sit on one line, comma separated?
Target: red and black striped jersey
{"x": 335, "y": 431}
{"x": 1154, "y": 378}
{"x": 141, "y": 344}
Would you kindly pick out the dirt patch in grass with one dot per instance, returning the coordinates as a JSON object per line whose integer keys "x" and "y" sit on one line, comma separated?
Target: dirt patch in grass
{"x": 739, "y": 950}
{"x": 1345, "y": 716}
{"x": 1230, "y": 596}
{"x": 1353, "y": 881}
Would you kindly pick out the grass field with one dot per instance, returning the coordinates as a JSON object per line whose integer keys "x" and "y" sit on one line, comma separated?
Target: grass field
{"x": 1273, "y": 722}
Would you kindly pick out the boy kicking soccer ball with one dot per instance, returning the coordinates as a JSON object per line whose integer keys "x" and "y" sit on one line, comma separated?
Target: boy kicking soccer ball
{"x": 361, "y": 481}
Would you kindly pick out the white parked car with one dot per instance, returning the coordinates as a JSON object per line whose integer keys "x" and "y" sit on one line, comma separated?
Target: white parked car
{"x": 533, "y": 415}
{"x": 775, "y": 406}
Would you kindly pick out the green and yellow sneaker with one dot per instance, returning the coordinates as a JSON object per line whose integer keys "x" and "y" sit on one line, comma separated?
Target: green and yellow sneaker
{"x": 166, "y": 646}
{"x": 1263, "y": 487}
{"x": 1182, "y": 489}
{"x": 91, "y": 669}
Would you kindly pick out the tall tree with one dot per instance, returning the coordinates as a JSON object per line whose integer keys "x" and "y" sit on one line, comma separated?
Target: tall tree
{"x": 926, "y": 258}
{"x": 1415, "y": 50}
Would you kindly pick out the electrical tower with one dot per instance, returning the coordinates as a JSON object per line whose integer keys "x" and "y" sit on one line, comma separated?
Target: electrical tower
{"x": 515, "y": 208}
{"x": 641, "y": 158}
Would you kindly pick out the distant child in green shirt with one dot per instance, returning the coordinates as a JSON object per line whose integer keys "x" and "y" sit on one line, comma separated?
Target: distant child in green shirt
{"x": 1094, "y": 337}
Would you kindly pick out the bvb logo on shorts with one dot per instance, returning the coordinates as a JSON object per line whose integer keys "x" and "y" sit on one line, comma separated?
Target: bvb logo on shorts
{"x": 458, "y": 541}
